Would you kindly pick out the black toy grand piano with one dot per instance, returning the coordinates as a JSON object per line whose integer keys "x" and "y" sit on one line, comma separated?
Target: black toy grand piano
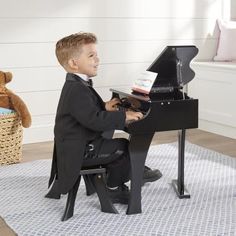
{"x": 166, "y": 107}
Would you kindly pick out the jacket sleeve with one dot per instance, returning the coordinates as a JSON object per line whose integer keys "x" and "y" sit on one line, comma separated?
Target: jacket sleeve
{"x": 84, "y": 107}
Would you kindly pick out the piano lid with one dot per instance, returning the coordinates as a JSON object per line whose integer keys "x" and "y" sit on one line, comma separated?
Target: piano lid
{"x": 173, "y": 69}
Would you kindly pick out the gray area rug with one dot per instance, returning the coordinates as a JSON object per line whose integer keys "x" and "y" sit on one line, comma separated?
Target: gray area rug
{"x": 210, "y": 178}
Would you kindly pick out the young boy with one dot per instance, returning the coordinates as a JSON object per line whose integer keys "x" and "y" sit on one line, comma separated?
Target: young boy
{"x": 82, "y": 117}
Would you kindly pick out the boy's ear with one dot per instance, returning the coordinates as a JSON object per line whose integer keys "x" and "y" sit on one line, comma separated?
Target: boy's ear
{"x": 73, "y": 63}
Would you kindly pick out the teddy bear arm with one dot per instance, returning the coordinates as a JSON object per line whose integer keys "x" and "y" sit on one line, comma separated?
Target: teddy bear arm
{"x": 20, "y": 107}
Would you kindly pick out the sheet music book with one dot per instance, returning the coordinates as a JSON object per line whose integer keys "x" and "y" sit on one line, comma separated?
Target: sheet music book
{"x": 144, "y": 83}
{"x": 6, "y": 111}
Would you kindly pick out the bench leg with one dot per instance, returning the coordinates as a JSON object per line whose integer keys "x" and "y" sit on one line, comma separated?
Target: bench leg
{"x": 53, "y": 192}
{"x": 105, "y": 201}
{"x": 69, "y": 211}
{"x": 90, "y": 189}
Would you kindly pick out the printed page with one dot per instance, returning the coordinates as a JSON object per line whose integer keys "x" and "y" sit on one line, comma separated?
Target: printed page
{"x": 145, "y": 82}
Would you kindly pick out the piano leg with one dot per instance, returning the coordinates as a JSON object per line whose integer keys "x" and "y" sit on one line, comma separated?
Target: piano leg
{"x": 138, "y": 148}
{"x": 178, "y": 184}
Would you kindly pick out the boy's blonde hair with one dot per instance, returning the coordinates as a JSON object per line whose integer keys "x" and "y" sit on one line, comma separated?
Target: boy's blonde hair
{"x": 71, "y": 45}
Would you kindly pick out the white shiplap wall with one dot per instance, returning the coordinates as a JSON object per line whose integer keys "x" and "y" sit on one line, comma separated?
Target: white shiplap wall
{"x": 233, "y": 9}
{"x": 131, "y": 34}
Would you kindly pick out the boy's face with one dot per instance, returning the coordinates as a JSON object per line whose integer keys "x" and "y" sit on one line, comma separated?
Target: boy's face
{"x": 87, "y": 61}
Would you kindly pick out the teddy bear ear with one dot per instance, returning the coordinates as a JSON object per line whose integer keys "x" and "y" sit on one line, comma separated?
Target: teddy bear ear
{"x": 8, "y": 76}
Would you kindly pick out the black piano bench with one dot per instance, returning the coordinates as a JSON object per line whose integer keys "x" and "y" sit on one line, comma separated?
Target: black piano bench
{"x": 89, "y": 185}
{"x": 94, "y": 180}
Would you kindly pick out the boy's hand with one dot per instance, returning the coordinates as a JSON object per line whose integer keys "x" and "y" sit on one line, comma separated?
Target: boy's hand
{"x": 133, "y": 116}
{"x": 112, "y": 104}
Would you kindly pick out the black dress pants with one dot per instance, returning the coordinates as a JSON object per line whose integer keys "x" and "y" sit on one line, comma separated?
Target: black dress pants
{"x": 112, "y": 154}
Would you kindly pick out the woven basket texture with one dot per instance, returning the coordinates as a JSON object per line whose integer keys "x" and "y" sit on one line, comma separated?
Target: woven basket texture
{"x": 11, "y": 135}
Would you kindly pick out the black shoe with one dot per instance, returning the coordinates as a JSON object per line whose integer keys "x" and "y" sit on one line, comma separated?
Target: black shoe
{"x": 150, "y": 175}
{"x": 119, "y": 195}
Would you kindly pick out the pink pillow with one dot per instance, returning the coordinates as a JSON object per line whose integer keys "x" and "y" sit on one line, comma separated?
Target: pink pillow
{"x": 227, "y": 41}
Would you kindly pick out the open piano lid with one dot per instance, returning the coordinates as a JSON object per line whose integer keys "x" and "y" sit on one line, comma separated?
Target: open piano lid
{"x": 173, "y": 69}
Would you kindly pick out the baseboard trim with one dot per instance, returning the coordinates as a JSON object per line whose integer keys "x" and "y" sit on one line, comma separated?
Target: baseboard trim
{"x": 43, "y": 133}
{"x": 38, "y": 134}
{"x": 216, "y": 128}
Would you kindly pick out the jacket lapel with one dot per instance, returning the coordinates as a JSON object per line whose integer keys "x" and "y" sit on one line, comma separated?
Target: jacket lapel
{"x": 76, "y": 78}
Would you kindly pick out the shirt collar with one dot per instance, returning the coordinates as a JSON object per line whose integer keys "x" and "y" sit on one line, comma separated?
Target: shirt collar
{"x": 83, "y": 76}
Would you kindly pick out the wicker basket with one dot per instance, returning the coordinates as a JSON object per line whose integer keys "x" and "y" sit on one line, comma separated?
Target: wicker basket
{"x": 11, "y": 134}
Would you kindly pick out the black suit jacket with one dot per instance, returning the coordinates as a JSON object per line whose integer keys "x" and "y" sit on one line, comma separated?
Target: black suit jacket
{"x": 81, "y": 117}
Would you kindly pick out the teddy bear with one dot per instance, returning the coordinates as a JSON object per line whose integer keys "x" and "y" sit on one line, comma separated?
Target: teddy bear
{"x": 11, "y": 101}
